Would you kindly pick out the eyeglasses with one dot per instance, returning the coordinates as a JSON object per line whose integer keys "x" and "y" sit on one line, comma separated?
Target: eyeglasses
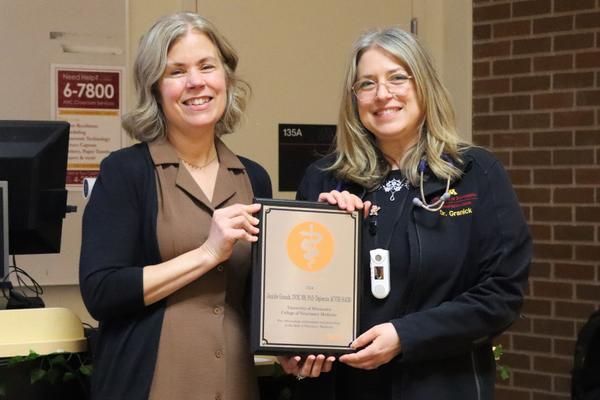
{"x": 365, "y": 89}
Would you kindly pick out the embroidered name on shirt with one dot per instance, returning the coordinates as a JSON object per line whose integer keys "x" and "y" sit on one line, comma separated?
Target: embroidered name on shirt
{"x": 458, "y": 205}
{"x": 459, "y": 213}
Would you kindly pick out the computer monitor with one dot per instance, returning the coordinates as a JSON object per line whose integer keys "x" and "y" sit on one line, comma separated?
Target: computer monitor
{"x": 33, "y": 160}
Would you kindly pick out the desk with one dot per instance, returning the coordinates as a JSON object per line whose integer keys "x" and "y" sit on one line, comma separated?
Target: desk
{"x": 264, "y": 365}
{"x": 273, "y": 383}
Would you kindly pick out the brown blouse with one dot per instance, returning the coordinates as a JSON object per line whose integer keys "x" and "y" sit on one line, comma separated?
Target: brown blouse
{"x": 203, "y": 351}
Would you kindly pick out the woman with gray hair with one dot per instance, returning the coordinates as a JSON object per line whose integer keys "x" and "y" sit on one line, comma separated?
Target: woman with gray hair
{"x": 445, "y": 244}
{"x": 165, "y": 253}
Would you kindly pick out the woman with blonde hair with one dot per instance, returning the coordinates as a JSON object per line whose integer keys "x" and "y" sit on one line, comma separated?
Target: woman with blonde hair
{"x": 165, "y": 254}
{"x": 444, "y": 216}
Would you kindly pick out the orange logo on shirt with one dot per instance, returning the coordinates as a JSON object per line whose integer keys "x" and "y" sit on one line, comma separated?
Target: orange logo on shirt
{"x": 310, "y": 246}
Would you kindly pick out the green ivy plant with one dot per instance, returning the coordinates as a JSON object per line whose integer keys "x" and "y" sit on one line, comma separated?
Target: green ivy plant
{"x": 53, "y": 368}
{"x": 502, "y": 370}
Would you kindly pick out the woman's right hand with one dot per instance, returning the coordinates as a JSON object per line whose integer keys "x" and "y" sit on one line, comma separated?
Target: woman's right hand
{"x": 311, "y": 367}
{"x": 345, "y": 201}
{"x": 229, "y": 225}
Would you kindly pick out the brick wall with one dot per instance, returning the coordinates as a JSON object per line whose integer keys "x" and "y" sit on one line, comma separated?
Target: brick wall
{"x": 536, "y": 104}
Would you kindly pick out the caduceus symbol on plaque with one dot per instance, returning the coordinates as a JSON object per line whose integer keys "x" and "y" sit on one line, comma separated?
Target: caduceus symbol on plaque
{"x": 309, "y": 244}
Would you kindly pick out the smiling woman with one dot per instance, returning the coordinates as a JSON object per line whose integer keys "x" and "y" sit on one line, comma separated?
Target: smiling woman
{"x": 193, "y": 97}
{"x": 166, "y": 245}
{"x": 193, "y": 90}
{"x": 388, "y": 105}
{"x": 444, "y": 217}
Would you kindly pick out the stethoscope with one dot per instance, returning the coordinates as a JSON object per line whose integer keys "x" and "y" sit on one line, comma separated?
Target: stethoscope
{"x": 379, "y": 258}
{"x": 439, "y": 203}
{"x": 419, "y": 202}
{"x": 379, "y": 263}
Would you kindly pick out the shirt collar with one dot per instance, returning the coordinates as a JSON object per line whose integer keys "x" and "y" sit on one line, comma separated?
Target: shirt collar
{"x": 163, "y": 152}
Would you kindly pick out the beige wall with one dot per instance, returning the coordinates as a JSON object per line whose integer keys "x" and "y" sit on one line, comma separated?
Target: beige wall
{"x": 293, "y": 55}
{"x": 445, "y": 27}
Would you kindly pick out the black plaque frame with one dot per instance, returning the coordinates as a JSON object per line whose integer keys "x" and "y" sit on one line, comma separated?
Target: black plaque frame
{"x": 261, "y": 316}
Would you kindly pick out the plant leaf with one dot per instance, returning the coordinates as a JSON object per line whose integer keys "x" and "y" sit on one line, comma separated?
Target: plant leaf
{"x": 503, "y": 372}
{"x": 37, "y": 375}
{"x": 68, "y": 376}
{"x": 31, "y": 356}
{"x": 58, "y": 360}
{"x": 53, "y": 375}
{"x": 14, "y": 360}
{"x": 86, "y": 369}
{"x": 498, "y": 351}
{"x": 19, "y": 359}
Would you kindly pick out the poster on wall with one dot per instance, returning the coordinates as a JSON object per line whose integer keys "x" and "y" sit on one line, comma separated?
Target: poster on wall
{"x": 90, "y": 99}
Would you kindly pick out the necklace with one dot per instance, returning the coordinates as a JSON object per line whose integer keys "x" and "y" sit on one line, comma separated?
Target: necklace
{"x": 395, "y": 185}
{"x": 198, "y": 167}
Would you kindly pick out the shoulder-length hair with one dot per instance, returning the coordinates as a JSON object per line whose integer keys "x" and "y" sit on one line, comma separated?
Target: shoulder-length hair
{"x": 146, "y": 122}
{"x": 358, "y": 159}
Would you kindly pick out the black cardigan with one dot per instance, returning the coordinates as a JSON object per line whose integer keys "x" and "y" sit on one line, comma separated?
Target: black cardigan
{"x": 119, "y": 225}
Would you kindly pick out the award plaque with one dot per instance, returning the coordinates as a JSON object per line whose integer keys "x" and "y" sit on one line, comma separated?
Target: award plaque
{"x": 305, "y": 278}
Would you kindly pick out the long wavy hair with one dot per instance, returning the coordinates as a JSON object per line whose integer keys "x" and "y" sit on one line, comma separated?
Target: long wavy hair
{"x": 357, "y": 156}
{"x": 146, "y": 122}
